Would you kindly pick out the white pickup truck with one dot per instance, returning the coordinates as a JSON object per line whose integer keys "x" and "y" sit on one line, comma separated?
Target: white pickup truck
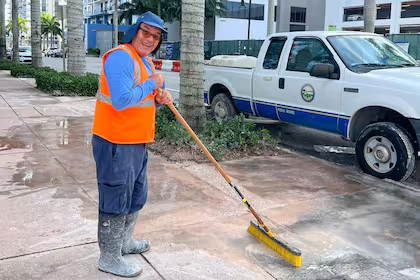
{"x": 354, "y": 84}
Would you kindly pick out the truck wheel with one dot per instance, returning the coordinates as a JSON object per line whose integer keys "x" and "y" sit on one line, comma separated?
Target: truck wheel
{"x": 384, "y": 150}
{"x": 222, "y": 107}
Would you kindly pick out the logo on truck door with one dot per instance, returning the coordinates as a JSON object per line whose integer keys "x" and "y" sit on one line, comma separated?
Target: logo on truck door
{"x": 308, "y": 93}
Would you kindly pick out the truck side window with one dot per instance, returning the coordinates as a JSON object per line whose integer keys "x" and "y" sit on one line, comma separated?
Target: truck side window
{"x": 273, "y": 53}
{"x": 305, "y": 53}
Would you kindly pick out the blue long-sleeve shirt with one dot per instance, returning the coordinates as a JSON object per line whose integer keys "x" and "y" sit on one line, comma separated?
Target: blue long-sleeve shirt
{"x": 119, "y": 71}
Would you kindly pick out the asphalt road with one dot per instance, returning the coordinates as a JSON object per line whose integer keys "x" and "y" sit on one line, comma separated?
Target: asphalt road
{"x": 305, "y": 140}
{"x": 93, "y": 65}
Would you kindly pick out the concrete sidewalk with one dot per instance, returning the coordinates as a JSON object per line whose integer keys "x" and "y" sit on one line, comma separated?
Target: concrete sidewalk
{"x": 348, "y": 225}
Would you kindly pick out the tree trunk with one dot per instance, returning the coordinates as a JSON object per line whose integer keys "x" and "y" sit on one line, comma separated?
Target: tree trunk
{"x": 115, "y": 23}
{"x": 192, "y": 63}
{"x": 76, "y": 58}
{"x": 2, "y": 29}
{"x": 270, "y": 18}
{"x": 36, "y": 33}
{"x": 15, "y": 30}
{"x": 370, "y": 15}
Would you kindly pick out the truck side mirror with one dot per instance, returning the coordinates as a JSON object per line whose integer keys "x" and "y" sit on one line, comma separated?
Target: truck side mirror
{"x": 323, "y": 70}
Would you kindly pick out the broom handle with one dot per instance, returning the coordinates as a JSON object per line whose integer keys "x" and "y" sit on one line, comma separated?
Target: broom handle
{"x": 211, "y": 158}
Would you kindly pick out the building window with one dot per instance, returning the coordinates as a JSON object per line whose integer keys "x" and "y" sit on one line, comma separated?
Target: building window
{"x": 235, "y": 10}
{"x": 410, "y": 9}
{"x": 298, "y": 14}
{"x": 353, "y": 14}
{"x": 383, "y": 11}
{"x": 297, "y": 27}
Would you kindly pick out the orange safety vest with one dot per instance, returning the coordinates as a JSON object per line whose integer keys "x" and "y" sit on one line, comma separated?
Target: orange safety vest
{"x": 132, "y": 125}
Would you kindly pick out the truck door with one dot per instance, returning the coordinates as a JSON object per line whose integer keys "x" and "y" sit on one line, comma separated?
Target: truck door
{"x": 265, "y": 94}
{"x": 307, "y": 100}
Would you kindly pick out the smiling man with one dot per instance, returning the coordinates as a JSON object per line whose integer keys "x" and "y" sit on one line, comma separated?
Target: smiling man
{"x": 123, "y": 123}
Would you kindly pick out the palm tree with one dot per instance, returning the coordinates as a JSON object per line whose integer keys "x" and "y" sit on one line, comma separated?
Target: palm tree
{"x": 15, "y": 30}
{"x": 115, "y": 23}
{"x": 36, "y": 33}
{"x": 22, "y": 27}
{"x": 2, "y": 29}
{"x": 76, "y": 56}
{"x": 191, "y": 104}
{"x": 169, "y": 10}
{"x": 369, "y": 15}
{"x": 129, "y": 9}
{"x": 50, "y": 25}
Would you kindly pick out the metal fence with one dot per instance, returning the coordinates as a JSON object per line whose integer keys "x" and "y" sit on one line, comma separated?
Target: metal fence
{"x": 412, "y": 39}
{"x": 172, "y": 50}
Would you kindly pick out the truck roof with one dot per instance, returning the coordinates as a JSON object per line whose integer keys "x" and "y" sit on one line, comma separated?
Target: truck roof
{"x": 321, "y": 33}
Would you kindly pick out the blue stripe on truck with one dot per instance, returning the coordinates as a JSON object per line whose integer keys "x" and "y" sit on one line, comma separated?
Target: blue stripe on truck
{"x": 314, "y": 119}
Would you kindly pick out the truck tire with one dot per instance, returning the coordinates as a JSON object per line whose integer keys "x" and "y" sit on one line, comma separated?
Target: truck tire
{"x": 222, "y": 107}
{"x": 385, "y": 150}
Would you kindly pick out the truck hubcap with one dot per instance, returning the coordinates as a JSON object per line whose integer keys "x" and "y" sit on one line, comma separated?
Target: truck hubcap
{"x": 220, "y": 111}
{"x": 380, "y": 154}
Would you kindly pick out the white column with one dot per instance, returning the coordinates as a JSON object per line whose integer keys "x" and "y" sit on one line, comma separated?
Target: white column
{"x": 395, "y": 17}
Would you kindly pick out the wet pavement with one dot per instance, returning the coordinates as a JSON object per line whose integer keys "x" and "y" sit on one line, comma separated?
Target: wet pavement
{"x": 348, "y": 225}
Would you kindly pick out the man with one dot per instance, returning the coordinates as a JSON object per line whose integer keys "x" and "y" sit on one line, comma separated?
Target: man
{"x": 124, "y": 121}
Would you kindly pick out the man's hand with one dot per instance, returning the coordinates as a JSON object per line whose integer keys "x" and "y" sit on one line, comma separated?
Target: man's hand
{"x": 164, "y": 97}
{"x": 158, "y": 79}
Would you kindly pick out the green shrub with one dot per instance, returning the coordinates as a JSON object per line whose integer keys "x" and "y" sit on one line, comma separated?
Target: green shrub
{"x": 236, "y": 134}
{"x": 6, "y": 64}
{"x": 62, "y": 83}
{"x": 94, "y": 51}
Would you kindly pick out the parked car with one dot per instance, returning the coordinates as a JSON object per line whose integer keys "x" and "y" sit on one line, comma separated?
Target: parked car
{"x": 357, "y": 85}
{"x": 25, "y": 54}
{"x": 50, "y": 52}
{"x": 9, "y": 53}
{"x": 355, "y": 17}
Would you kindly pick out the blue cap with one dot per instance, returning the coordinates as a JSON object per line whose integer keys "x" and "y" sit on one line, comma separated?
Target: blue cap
{"x": 148, "y": 18}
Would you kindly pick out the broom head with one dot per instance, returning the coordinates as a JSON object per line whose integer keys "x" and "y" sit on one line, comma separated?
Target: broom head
{"x": 289, "y": 253}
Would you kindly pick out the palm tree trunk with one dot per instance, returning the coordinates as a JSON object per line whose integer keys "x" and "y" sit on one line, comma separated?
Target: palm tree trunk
{"x": 370, "y": 15}
{"x": 76, "y": 58}
{"x": 270, "y": 18}
{"x": 15, "y": 30}
{"x": 115, "y": 23}
{"x": 2, "y": 29}
{"x": 36, "y": 33}
{"x": 192, "y": 63}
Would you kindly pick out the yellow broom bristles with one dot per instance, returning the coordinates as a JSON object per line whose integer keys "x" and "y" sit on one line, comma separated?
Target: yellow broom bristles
{"x": 290, "y": 254}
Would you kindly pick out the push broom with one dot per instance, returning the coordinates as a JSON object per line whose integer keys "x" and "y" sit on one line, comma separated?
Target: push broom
{"x": 260, "y": 231}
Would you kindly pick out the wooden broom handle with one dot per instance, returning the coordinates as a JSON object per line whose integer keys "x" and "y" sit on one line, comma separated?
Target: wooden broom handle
{"x": 198, "y": 141}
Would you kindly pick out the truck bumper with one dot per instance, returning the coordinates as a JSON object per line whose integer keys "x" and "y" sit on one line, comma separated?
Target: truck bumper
{"x": 416, "y": 125}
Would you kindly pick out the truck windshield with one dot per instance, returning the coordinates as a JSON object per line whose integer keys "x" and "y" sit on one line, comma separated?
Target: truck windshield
{"x": 361, "y": 53}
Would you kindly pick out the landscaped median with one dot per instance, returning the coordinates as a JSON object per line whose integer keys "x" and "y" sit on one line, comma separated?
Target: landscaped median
{"x": 236, "y": 138}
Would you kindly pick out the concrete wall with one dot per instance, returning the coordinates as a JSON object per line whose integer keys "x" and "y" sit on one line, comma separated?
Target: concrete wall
{"x": 315, "y": 14}
{"x": 92, "y": 29}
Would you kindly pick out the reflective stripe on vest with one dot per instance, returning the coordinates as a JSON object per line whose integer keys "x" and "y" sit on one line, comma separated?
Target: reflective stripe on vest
{"x": 107, "y": 99}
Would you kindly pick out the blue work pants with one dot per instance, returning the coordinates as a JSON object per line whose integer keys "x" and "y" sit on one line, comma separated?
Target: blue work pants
{"x": 121, "y": 176}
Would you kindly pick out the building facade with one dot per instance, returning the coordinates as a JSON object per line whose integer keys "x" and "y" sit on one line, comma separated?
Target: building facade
{"x": 393, "y": 16}
{"x": 293, "y": 15}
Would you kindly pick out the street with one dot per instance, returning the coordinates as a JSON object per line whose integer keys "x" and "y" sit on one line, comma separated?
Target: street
{"x": 308, "y": 141}
{"x": 93, "y": 65}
